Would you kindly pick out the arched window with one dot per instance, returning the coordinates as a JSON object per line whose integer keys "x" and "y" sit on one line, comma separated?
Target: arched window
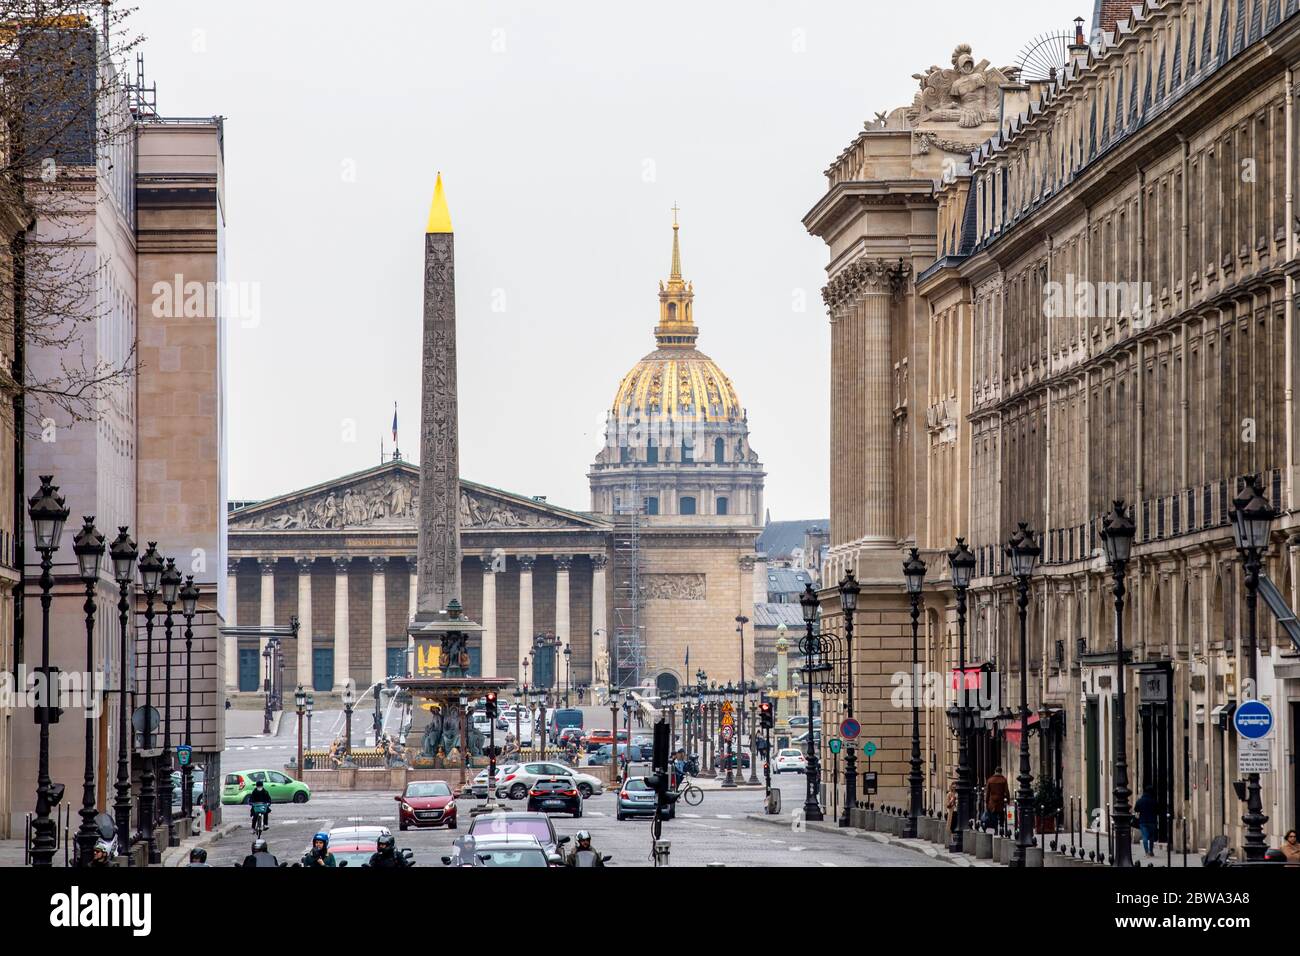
{"x": 672, "y": 311}
{"x": 687, "y": 506}
{"x": 666, "y": 683}
{"x": 652, "y": 506}
{"x": 719, "y": 451}
{"x": 722, "y": 506}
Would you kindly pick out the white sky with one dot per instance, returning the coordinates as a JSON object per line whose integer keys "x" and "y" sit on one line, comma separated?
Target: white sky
{"x": 565, "y": 131}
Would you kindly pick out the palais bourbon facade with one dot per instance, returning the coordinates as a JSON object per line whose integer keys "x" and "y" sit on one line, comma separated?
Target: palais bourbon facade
{"x": 1047, "y": 292}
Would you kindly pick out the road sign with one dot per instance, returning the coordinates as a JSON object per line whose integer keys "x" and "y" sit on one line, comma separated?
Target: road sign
{"x": 850, "y": 728}
{"x": 727, "y": 708}
{"x": 869, "y": 782}
{"x": 1254, "y": 756}
{"x": 835, "y": 745}
{"x": 1253, "y": 720}
{"x": 726, "y": 731}
{"x": 869, "y": 748}
{"x": 183, "y": 752}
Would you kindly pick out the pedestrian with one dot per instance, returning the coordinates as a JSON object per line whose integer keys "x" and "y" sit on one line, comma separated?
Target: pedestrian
{"x": 950, "y": 804}
{"x": 996, "y": 794}
{"x": 1290, "y": 848}
{"x": 1145, "y": 809}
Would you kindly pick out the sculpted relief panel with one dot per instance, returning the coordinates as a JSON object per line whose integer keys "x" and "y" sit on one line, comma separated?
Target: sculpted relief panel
{"x": 674, "y": 587}
{"x": 387, "y": 501}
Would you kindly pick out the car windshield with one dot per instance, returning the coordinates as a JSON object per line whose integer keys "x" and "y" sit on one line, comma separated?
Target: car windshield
{"x": 352, "y": 857}
{"x": 541, "y": 829}
{"x": 791, "y": 753}
{"x": 524, "y": 856}
{"x": 636, "y": 783}
{"x": 434, "y": 788}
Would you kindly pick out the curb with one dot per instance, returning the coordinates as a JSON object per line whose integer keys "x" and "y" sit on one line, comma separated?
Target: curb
{"x": 916, "y": 846}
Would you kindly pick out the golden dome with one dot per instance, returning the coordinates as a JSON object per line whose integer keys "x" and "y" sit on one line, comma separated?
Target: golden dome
{"x": 683, "y": 384}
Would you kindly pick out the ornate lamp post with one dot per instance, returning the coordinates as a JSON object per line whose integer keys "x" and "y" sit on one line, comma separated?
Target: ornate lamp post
{"x": 568, "y": 661}
{"x": 1024, "y": 551}
{"x": 266, "y": 688}
{"x": 1117, "y": 531}
{"x": 171, "y": 587}
{"x": 311, "y": 704}
{"x": 151, "y": 571}
{"x": 1252, "y": 520}
{"x": 189, "y": 607}
{"x": 48, "y": 513}
{"x": 914, "y": 573}
{"x": 962, "y": 564}
{"x": 809, "y": 646}
{"x": 89, "y": 548}
{"x": 300, "y": 706}
{"x": 348, "y": 701}
{"x": 849, "y": 589}
{"x": 123, "y": 553}
{"x": 741, "y": 621}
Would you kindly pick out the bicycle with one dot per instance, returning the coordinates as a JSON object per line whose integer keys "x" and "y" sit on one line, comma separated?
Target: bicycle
{"x": 690, "y": 794}
{"x": 260, "y": 812}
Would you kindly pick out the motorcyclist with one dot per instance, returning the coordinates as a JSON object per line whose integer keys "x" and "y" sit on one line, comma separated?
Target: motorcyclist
{"x": 319, "y": 853}
{"x": 386, "y": 856}
{"x": 583, "y": 846}
{"x": 198, "y": 856}
{"x": 259, "y": 801}
{"x": 101, "y": 854}
{"x": 260, "y": 856}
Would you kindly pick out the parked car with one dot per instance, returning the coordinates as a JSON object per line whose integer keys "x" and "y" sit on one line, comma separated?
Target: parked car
{"x": 196, "y": 787}
{"x": 720, "y": 761}
{"x": 789, "y": 759}
{"x": 480, "y": 783}
{"x": 802, "y": 739}
{"x": 604, "y": 753}
{"x": 636, "y": 799}
{"x": 800, "y": 722}
{"x": 283, "y": 789}
{"x": 555, "y": 795}
{"x": 426, "y": 803}
{"x": 561, "y": 718}
{"x": 516, "y": 782}
{"x": 489, "y": 826}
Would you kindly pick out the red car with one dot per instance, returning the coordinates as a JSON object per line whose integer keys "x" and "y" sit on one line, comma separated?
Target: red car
{"x": 426, "y": 803}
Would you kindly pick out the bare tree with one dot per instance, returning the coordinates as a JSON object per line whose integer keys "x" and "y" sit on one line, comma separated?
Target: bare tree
{"x": 67, "y": 121}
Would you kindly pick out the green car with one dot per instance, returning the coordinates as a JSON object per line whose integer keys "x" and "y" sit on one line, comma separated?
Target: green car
{"x": 283, "y": 789}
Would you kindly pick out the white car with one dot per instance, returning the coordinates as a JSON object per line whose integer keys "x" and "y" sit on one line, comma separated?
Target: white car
{"x": 480, "y": 784}
{"x": 789, "y": 759}
{"x": 481, "y": 723}
{"x": 516, "y": 783}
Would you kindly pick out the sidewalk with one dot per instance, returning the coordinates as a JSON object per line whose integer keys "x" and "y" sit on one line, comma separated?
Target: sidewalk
{"x": 248, "y": 723}
{"x": 11, "y": 851}
{"x": 925, "y": 847}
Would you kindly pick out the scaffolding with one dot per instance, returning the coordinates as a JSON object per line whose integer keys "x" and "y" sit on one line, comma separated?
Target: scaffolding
{"x": 628, "y": 652}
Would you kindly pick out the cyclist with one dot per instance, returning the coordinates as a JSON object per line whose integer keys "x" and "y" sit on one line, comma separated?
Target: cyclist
{"x": 259, "y": 804}
{"x": 261, "y": 856}
{"x": 386, "y": 856}
{"x": 319, "y": 853}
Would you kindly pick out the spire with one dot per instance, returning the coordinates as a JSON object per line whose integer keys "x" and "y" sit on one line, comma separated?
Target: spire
{"x": 439, "y": 216}
{"x": 676, "y": 328}
{"x": 676, "y": 272}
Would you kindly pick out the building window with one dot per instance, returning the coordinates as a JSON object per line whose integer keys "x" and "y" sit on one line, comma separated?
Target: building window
{"x": 722, "y": 506}
{"x": 687, "y": 505}
{"x": 688, "y": 454}
{"x": 624, "y": 453}
{"x": 652, "y": 506}
{"x": 719, "y": 451}
{"x": 652, "y": 454}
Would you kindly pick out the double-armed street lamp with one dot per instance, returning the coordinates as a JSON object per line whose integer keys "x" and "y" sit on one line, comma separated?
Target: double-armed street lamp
{"x": 1117, "y": 531}
{"x": 1023, "y": 550}
{"x": 1252, "y": 521}
{"x": 809, "y": 645}
{"x": 914, "y": 573}
{"x": 849, "y": 589}
{"x": 961, "y": 561}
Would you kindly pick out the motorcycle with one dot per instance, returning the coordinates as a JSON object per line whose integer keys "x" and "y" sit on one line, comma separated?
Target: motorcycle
{"x": 590, "y": 858}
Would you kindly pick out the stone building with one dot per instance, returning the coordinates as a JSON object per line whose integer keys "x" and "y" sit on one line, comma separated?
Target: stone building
{"x": 1048, "y": 292}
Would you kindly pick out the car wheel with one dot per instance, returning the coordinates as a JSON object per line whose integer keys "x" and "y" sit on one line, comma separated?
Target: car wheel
{"x": 585, "y": 790}
{"x": 247, "y": 800}
{"x": 577, "y": 814}
{"x": 452, "y": 825}
{"x": 621, "y": 818}
{"x": 518, "y": 792}
{"x": 402, "y": 825}
{"x": 300, "y": 796}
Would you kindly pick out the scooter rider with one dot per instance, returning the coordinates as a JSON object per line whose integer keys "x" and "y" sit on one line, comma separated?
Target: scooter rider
{"x": 260, "y": 856}
{"x": 583, "y": 846}
{"x": 386, "y": 856}
{"x": 319, "y": 854}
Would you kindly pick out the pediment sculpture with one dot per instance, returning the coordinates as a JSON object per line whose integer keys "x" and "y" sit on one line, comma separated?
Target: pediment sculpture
{"x": 967, "y": 94}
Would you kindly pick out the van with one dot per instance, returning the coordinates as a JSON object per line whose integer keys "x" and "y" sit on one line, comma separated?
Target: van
{"x": 561, "y": 718}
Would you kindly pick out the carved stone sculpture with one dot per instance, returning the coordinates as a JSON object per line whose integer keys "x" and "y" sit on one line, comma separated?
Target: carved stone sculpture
{"x": 967, "y": 94}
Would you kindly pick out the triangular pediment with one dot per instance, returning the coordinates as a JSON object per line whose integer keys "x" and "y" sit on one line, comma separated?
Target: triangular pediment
{"x": 388, "y": 497}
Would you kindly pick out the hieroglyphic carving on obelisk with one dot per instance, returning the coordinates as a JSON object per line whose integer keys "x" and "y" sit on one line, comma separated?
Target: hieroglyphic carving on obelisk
{"x": 439, "y": 547}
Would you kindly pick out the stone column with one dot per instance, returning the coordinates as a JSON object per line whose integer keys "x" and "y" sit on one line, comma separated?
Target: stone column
{"x": 489, "y": 612}
{"x": 232, "y": 619}
{"x": 378, "y": 620}
{"x": 266, "y": 613}
{"x": 413, "y": 564}
{"x": 342, "y": 642}
{"x": 562, "y": 564}
{"x": 599, "y": 625}
{"x": 875, "y": 397}
{"x": 305, "y": 675}
{"x": 525, "y": 610}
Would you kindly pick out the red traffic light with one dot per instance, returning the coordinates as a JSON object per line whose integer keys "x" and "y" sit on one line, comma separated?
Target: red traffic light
{"x": 492, "y": 696}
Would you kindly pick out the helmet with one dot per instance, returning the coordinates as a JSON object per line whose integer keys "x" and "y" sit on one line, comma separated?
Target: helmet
{"x": 385, "y": 843}
{"x": 103, "y": 846}
{"x": 198, "y": 855}
{"x": 584, "y": 836}
{"x": 323, "y": 837}
{"x": 259, "y": 846}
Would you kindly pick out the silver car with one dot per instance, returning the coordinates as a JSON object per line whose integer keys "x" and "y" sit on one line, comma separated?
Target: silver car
{"x": 516, "y": 782}
{"x": 480, "y": 784}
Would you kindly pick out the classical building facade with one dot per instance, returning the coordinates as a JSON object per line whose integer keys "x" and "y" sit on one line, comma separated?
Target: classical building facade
{"x": 1046, "y": 293}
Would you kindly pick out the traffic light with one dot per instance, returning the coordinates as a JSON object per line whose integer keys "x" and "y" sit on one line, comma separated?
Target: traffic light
{"x": 491, "y": 707}
{"x": 765, "y": 715}
{"x": 658, "y": 779}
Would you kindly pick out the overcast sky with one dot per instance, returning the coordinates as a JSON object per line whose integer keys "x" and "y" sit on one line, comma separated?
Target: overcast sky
{"x": 565, "y": 131}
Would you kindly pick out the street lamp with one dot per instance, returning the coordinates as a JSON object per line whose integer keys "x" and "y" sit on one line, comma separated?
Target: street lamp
{"x": 962, "y": 564}
{"x": 171, "y": 586}
{"x": 123, "y": 553}
{"x": 1252, "y": 520}
{"x": 849, "y": 589}
{"x": 311, "y": 704}
{"x": 300, "y": 705}
{"x": 152, "y": 566}
{"x": 89, "y": 548}
{"x": 348, "y": 701}
{"x": 189, "y": 607}
{"x": 914, "y": 573}
{"x": 48, "y": 513}
{"x": 568, "y": 672}
{"x": 808, "y": 644}
{"x": 1024, "y": 551}
{"x": 1117, "y": 531}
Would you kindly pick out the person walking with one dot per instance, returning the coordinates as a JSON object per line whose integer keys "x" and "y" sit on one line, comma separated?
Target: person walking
{"x": 1291, "y": 848}
{"x": 996, "y": 794}
{"x": 1145, "y": 810}
{"x": 950, "y": 805}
